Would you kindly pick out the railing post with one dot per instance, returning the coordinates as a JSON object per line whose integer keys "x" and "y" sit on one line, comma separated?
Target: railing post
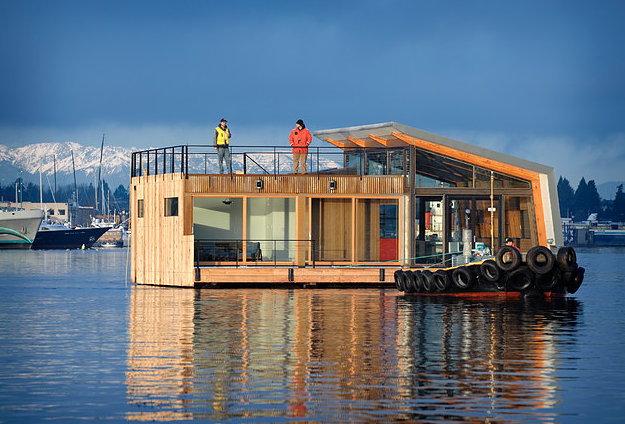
{"x": 317, "y": 160}
{"x": 245, "y": 163}
{"x": 173, "y": 159}
{"x": 274, "y": 160}
{"x": 182, "y": 159}
{"x": 186, "y": 162}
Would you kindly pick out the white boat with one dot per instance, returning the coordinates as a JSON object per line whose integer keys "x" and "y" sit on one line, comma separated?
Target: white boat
{"x": 18, "y": 227}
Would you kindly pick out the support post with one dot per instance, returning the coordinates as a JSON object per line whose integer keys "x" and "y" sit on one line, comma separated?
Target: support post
{"x": 411, "y": 204}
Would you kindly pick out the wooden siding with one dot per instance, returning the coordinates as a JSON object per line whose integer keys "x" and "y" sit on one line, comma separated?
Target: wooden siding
{"x": 334, "y": 275}
{"x": 162, "y": 251}
{"x": 293, "y": 184}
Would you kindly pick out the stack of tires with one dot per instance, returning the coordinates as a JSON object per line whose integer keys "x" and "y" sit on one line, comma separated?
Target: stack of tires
{"x": 541, "y": 271}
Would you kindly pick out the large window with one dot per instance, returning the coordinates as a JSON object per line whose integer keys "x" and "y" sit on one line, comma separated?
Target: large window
{"x": 332, "y": 229}
{"x": 218, "y": 228}
{"x": 218, "y": 218}
{"x": 376, "y": 230}
{"x": 271, "y": 224}
{"x": 520, "y": 222}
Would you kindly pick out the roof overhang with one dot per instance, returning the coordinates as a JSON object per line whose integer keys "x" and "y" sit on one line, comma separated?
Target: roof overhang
{"x": 393, "y": 134}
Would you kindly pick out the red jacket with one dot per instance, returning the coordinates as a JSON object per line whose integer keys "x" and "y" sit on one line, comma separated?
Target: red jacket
{"x": 299, "y": 140}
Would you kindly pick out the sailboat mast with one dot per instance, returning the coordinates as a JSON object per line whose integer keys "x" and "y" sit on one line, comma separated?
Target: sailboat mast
{"x": 75, "y": 185}
{"x": 40, "y": 191}
{"x": 54, "y": 156}
{"x": 100, "y": 176}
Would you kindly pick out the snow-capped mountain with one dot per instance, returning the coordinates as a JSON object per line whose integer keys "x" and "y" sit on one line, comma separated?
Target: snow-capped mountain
{"x": 29, "y": 160}
{"x": 39, "y": 157}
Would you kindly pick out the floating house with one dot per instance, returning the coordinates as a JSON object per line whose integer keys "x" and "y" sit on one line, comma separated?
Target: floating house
{"x": 376, "y": 198}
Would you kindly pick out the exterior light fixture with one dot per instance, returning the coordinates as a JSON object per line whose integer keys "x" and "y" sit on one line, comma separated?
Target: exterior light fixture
{"x": 332, "y": 185}
{"x": 259, "y": 184}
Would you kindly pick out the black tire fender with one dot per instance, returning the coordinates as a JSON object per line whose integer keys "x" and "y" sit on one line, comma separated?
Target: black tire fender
{"x": 576, "y": 281}
{"x": 397, "y": 277}
{"x": 405, "y": 281}
{"x": 550, "y": 280}
{"x": 567, "y": 259}
{"x": 508, "y": 258}
{"x": 521, "y": 279}
{"x": 410, "y": 282}
{"x": 442, "y": 281}
{"x": 417, "y": 281}
{"x": 463, "y": 278}
{"x": 427, "y": 281}
{"x": 540, "y": 260}
{"x": 490, "y": 271}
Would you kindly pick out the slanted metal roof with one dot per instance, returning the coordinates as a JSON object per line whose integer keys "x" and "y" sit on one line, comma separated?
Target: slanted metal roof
{"x": 385, "y": 135}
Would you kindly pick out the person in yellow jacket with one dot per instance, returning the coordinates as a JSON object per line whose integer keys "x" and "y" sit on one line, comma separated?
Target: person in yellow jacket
{"x": 222, "y": 145}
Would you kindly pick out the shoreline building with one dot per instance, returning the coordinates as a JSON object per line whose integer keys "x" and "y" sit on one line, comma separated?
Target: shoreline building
{"x": 379, "y": 197}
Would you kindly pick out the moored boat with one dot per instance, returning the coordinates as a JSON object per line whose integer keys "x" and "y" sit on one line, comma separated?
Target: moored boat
{"x": 56, "y": 236}
{"x": 18, "y": 227}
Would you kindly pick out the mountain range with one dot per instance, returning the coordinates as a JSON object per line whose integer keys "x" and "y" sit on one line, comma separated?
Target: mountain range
{"x": 27, "y": 161}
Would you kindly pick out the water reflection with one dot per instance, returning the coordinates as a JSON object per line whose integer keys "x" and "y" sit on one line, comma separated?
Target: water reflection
{"x": 342, "y": 355}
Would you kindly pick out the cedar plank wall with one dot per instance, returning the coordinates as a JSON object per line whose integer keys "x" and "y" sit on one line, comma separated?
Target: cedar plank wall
{"x": 289, "y": 184}
{"x": 161, "y": 252}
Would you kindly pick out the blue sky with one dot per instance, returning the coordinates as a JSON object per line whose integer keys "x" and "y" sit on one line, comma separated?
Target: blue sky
{"x": 543, "y": 80}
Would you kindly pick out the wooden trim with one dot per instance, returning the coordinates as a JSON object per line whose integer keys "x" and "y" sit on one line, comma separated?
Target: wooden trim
{"x": 387, "y": 143}
{"x": 353, "y": 230}
{"x": 244, "y": 232}
{"x": 469, "y": 192}
{"x": 365, "y": 143}
{"x": 540, "y": 212}
{"x": 336, "y": 276}
{"x": 341, "y": 143}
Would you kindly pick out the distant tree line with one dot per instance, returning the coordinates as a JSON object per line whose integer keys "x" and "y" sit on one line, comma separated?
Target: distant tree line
{"x": 118, "y": 200}
{"x": 585, "y": 200}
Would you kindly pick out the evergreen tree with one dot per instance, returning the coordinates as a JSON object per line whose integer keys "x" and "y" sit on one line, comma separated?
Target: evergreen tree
{"x": 618, "y": 205}
{"x": 565, "y": 196}
{"x": 580, "y": 201}
{"x": 594, "y": 200}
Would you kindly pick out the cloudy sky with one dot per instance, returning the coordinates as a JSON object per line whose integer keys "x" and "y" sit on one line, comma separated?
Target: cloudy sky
{"x": 543, "y": 80}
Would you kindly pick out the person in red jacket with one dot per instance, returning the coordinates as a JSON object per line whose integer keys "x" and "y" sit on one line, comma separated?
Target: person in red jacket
{"x": 299, "y": 139}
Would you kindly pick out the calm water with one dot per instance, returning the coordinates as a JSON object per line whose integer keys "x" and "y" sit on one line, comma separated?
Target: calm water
{"x": 78, "y": 344}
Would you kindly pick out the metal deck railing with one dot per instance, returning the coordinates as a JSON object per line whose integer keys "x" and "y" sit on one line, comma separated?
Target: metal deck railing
{"x": 202, "y": 159}
{"x": 262, "y": 252}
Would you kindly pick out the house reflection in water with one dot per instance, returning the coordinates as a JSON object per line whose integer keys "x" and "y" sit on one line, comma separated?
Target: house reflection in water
{"x": 326, "y": 354}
